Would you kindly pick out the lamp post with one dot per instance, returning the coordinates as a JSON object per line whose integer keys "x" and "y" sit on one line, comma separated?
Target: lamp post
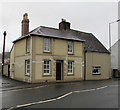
{"x": 110, "y": 33}
{"x": 3, "y": 54}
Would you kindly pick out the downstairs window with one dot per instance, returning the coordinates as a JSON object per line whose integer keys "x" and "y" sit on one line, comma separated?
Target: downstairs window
{"x": 96, "y": 70}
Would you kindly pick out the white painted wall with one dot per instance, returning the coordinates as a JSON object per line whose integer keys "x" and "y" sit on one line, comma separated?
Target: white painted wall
{"x": 114, "y": 56}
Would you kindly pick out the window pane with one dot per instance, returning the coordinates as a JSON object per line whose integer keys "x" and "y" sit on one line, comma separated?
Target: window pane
{"x": 47, "y": 62}
{"x": 47, "y": 71}
{"x": 47, "y": 67}
{"x": 28, "y": 66}
{"x": 44, "y": 66}
{"x": 44, "y": 71}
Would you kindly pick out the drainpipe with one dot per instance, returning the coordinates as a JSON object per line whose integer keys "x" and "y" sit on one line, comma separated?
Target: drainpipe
{"x": 84, "y": 65}
{"x": 31, "y": 59}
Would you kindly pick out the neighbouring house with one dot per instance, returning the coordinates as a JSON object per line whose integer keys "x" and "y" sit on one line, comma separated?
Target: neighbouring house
{"x": 0, "y": 63}
{"x": 6, "y": 64}
{"x": 115, "y": 59}
{"x": 48, "y": 54}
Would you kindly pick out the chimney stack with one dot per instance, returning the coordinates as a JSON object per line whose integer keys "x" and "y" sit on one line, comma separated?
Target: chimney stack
{"x": 25, "y": 24}
{"x": 63, "y": 25}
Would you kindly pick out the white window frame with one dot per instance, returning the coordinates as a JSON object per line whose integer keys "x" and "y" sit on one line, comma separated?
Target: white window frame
{"x": 27, "y": 67}
{"x": 47, "y": 45}
{"x": 70, "y": 47}
{"x": 70, "y": 67}
{"x": 27, "y": 45}
{"x": 46, "y": 67}
{"x": 97, "y": 69}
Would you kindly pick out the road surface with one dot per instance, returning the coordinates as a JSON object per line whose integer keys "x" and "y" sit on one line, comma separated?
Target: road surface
{"x": 83, "y": 94}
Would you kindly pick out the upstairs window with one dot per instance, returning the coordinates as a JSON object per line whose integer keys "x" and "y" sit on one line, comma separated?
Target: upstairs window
{"x": 96, "y": 70}
{"x": 70, "y": 67}
{"x": 27, "y": 67}
{"x": 46, "y": 45}
{"x": 70, "y": 47}
{"x": 27, "y": 45}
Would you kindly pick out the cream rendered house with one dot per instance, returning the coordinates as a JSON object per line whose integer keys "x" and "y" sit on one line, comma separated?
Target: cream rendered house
{"x": 55, "y": 55}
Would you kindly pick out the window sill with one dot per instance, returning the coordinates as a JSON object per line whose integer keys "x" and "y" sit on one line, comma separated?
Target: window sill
{"x": 70, "y": 53}
{"x": 96, "y": 74}
{"x": 28, "y": 53}
{"x": 47, "y": 52}
{"x": 70, "y": 74}
{"x": 27, "y": 75}
{"x": 46, "y": 75}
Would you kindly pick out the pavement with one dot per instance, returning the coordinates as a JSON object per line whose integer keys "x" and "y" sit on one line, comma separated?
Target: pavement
{"x": 10, "y": 84}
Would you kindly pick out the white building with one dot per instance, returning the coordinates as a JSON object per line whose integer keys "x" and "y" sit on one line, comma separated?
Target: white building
{"x": 115, "y": 58}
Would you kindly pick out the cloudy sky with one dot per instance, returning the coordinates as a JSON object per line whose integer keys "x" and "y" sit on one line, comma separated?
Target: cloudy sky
{"x": 92, "y": 17}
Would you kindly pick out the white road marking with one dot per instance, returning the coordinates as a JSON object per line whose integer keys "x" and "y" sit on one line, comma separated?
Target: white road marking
{"x": 113, "y": 85}
{"x": 47, "y": 101}
{"x": 64, "y": 95}
{"x": 101, "y": 87}
{"x": 88, "y": 90}
{"x": 58, "y": 98}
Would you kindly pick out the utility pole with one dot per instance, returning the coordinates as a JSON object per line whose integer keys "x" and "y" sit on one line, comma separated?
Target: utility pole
{"x": 3, "y": 53}
{"x": 110, "y": 33}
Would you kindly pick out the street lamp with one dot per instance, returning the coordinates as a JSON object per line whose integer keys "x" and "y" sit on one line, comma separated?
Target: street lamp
{"x": 110, "y": 33}
{"x": 3, "y": 54}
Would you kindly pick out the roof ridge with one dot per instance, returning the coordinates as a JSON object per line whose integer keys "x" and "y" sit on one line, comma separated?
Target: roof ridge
{"x": 70, "y": 29}
{"x": 80, "y": 31}
{"x": 49, "y": 27}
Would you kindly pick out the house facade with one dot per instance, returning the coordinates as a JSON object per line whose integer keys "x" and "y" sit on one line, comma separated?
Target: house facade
{"x": 48, "y": 54}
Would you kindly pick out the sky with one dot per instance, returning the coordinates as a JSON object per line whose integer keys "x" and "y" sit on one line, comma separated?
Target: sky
{"x": 92, "y": 17}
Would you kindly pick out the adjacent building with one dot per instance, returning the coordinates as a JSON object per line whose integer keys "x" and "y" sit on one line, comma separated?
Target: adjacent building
{"x": 6, "y": 64}
{"x": 119, "y": 36}
{"x": 115, "y": 59}
{"x": 48, "y": 54}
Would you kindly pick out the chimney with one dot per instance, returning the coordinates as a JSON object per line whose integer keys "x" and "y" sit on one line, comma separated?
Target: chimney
{"x": 25, "y": 24}
{"x": 63, "y": 25}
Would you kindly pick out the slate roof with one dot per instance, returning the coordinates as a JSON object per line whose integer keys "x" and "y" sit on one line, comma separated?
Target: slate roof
{"x": 51, "y": 32}
{"x": 92, "y": 44}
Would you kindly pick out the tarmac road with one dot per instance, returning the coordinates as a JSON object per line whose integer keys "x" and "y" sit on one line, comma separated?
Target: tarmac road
{"x": 83, "y": 94}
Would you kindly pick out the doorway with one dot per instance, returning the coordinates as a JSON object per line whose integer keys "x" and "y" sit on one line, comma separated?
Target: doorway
{"x": 59, "y": 66}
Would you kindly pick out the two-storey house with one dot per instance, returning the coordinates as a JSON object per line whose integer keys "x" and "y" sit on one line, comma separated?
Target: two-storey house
{"x": 47, "y": 54}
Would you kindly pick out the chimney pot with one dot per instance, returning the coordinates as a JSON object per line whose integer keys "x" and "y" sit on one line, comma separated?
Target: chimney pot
{"x": 63, "y": 20}
{"x": 25, "y": 16}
